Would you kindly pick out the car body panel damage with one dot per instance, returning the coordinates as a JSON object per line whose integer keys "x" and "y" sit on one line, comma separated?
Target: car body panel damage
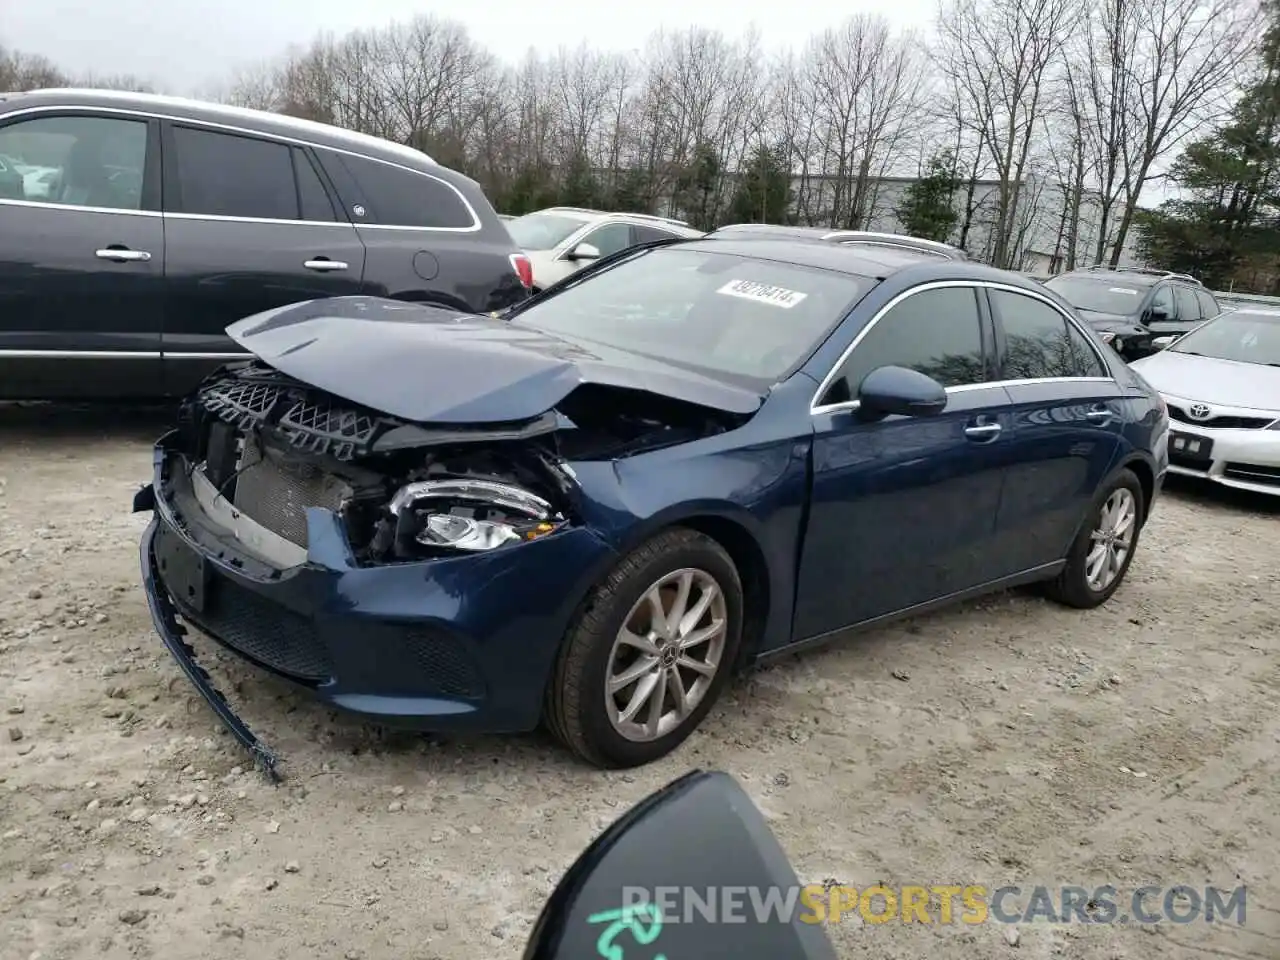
{"x": 435, "y": 366}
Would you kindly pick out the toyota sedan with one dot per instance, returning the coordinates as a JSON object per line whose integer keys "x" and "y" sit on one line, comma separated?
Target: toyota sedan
{"x": 692, "y": 456}
{"x": 1222, "y": 386}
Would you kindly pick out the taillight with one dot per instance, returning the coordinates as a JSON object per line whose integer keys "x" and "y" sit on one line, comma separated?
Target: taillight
{"x": 523, "y": 267}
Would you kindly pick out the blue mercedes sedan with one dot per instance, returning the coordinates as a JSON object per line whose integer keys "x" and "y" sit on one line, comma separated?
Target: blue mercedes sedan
{"x": 691, "y": 456}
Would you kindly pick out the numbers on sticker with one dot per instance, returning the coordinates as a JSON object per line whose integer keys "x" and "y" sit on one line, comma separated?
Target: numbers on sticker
{"x": 631, "y": 920}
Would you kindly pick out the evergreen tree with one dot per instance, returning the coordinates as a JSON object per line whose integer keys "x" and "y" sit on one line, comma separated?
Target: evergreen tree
{"x": 697, "y": 186}
{"x": 763, "y": 194}
{"x": 926, "y": 209}
{"x": 1227, "y": 227}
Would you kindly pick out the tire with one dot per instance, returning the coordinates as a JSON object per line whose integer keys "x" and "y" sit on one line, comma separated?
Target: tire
{"x": 1072, "y": 587}
{"x": 577, "y": 700}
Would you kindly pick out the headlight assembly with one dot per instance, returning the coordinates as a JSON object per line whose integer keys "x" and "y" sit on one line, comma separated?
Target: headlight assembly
{"x": 467, "y": 515}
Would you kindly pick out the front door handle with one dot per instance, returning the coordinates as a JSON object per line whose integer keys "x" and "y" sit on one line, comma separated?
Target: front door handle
{"x": 121, "y": 255}
{"x": 1099, "y": 413}
{"x": 323, "y": 264}
{"x": 983, "y": 431}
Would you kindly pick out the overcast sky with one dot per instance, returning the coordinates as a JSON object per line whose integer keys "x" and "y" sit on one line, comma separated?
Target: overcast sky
{"x": 185, "y": 45}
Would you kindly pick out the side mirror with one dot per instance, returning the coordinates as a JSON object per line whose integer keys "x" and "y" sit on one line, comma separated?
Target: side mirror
{"x": 889, "y": 391}
{"x": 1164, "y": 343}
{"x": 691, "y": 871}
{"x": 584, "y": 251}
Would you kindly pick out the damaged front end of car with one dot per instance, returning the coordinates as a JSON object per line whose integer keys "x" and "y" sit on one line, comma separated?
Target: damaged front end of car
{"x": 403, "y": 571}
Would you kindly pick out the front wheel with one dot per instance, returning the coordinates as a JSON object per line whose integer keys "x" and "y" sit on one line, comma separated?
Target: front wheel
{"x": 649, "y": 653}
{"x": 1100, "y": 556}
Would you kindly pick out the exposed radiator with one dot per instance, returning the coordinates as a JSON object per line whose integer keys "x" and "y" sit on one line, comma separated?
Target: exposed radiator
{"x": 275, "y": 491}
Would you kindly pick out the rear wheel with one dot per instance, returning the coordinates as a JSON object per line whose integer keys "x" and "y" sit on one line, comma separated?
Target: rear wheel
{"x": 1100, "y": 556}
{"x": 649, "y": 653}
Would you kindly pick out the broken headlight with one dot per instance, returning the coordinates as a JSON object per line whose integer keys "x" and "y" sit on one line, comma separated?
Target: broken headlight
{"x": 464, "y": 514}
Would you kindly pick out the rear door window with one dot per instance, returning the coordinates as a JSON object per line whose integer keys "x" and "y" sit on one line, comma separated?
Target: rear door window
{"x": 313, "y": 200}
{"x": 226, "y": 175}
{"x": 1040, "y": 343}
{"x": 1208, "y": 306}
{"x": 400, "y": 197}
{"x": 1188, "y": 306}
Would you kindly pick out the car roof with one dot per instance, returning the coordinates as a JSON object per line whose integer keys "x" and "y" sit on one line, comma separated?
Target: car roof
{"x": 260, "y": 121}
{"x": 876, "y": 262}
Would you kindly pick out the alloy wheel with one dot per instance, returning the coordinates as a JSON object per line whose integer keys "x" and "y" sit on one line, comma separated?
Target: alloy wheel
{"x": 1111, "y": 540}
{"x": 667, "y": 655}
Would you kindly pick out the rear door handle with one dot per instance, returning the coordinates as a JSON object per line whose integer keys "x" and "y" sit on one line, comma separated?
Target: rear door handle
{"x": 983, "y": 431}
{"x": 120, "y": 255}
{"x": 324, "y": 265}
{"x": 1099, "y": 413}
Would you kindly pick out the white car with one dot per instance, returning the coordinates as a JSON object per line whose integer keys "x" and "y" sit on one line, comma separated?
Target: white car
{"x": 1221, "y": 382}
{"x": 560, "y": 241}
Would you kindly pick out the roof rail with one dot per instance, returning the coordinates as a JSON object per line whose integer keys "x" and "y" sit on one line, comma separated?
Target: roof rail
{"x": 1148, "y": 271}
{"x": 654, "y": 216}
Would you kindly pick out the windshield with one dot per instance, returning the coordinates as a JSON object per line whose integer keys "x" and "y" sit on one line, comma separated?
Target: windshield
{"x": 736, "y": 316}
{"x": 1245, "y": 336}
{"x": 542, "y": 231}
{"x": 1115, "y": 295}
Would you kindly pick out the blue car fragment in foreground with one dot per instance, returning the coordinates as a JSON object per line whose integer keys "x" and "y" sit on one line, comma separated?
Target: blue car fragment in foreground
{"x": 689, "y": 457}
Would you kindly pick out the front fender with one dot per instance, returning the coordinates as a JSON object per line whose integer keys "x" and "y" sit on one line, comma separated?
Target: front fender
{"x": 761, "y": 490}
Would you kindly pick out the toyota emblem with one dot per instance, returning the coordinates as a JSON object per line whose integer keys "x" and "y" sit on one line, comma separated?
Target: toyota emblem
{"x": 1200, "y": 411}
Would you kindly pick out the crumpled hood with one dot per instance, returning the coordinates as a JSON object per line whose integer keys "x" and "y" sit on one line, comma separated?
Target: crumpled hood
{"x": 434, "y": 365}
{"x": 1254, "y": 386}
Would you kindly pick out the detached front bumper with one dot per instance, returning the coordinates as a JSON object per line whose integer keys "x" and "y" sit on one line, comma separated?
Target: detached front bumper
{"x": 463, "y": 643}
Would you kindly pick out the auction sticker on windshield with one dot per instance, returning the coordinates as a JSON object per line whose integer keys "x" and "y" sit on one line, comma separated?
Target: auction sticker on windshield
{"x": 762, "y": 293}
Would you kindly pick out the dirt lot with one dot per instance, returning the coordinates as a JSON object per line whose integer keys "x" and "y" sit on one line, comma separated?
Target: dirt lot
{"x": 1007, "y": 742}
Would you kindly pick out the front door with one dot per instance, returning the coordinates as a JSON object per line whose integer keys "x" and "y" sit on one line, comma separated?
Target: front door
{"x": 903, "y": 510}
{"x": 250, "y": 225}
{"x": 81, "y": 257}
{"x": 1066, "y": 431}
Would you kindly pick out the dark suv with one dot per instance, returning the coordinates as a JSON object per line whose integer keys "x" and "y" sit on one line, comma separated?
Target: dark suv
{"x": 134, "y": 229}
{"x": 1131, "y": 308}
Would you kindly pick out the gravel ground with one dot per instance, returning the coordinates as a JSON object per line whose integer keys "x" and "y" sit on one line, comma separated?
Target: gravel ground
{"x": 1009, "y": 741}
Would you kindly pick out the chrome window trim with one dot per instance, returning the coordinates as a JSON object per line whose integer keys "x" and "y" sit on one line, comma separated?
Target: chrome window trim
{"x": 118, "y": 355}
{"x": 815, "y": 407}
{"x": 476, "y": 224}
{"x": 228, "y": 110}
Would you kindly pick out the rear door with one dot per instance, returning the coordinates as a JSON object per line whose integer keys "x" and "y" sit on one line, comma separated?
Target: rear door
{"x": 81, "y": 256}
{"x": 1066, "y": 429}
{"x": 250, "y": 225}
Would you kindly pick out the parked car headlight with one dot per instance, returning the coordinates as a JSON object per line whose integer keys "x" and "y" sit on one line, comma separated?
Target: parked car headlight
{"x": 468, "y": 515}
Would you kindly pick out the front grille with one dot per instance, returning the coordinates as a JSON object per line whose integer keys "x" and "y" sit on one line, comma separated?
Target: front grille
{"x": 307, "y": 419}
{"x": 275, "y": 491}
{"x": 1221, "y": 423}
{"x": 266, "y": 633}
{"x": 1267, "y": 476}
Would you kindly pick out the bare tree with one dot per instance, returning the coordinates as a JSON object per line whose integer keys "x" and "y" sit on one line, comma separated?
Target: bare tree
{"x": 1002, "y": 57}
{"x": 1180, "y": 60}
